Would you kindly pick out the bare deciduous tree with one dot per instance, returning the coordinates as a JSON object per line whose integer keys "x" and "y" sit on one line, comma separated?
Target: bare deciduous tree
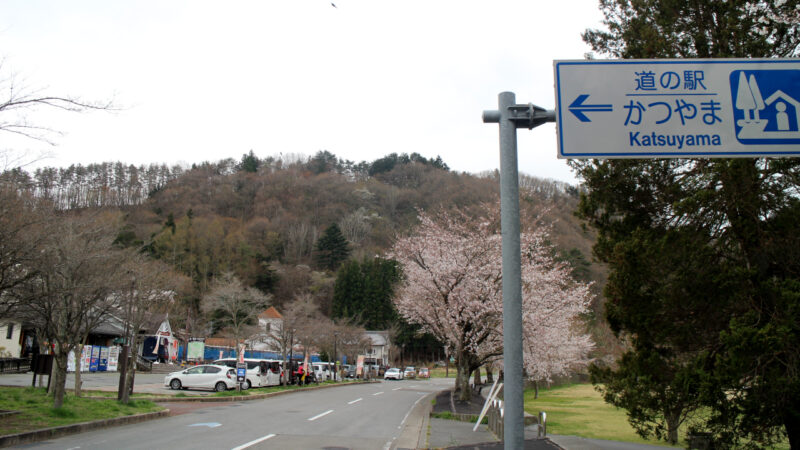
{"x": 235, "y": 308}
{"x": 70, "y": 294}
{"x": 19, "y": 102}
{"x": 356, "y": 226}
{"x": 299, "y": 318}
{"x": 351, "y": 339}
{"x": 146, "y": 290}
{"x": 22, "y": 231}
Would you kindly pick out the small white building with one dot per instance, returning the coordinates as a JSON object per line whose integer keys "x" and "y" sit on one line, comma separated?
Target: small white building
{"x": 379, "y": 350}
{"x": 270, "y": 324}
{"x": 10, "y": 339}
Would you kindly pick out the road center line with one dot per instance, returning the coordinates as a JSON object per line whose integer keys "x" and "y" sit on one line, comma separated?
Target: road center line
{"x": 251, "y": 443}
{"x": 378, "y": 393}
{"x": 354, "y": 401}
{"x": 321, "y": 415}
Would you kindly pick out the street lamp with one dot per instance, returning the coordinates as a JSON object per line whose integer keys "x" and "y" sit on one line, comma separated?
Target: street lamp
{"x": 335, "y": 356}
{"x": 290, "y": 370}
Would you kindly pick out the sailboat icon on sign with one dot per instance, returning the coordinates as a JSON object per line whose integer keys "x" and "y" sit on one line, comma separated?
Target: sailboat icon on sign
{"x": 774, "y": 120}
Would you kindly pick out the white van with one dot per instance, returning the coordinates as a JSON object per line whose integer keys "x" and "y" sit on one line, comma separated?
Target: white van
{"x": 323, "y": 371}
{"x": 260, "y": 372}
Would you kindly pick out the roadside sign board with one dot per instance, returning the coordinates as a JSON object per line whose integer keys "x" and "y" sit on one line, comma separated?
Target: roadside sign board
{"x": 241, "y": 372}
{"x": 678, "y": 108}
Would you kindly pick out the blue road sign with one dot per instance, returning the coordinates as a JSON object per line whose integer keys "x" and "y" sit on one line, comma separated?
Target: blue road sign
{"x": 678, "y": 108}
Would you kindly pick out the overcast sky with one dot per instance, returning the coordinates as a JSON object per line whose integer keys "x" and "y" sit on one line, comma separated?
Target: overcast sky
{"x": 202, "y": 81}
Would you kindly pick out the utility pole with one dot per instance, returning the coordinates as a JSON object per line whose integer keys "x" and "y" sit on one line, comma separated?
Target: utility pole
{"x": 511, "y": 116}
{"x": 335, "y": 357}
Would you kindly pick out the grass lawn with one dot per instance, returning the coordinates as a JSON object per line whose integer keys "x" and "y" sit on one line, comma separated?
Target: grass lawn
{"x": 36, "y": 409}
{"x": 440, "y": 372}
{"x": 579, "y": 410}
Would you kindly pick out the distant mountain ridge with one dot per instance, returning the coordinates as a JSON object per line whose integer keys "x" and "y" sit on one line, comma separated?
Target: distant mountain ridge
{"x": 261, "y": 218}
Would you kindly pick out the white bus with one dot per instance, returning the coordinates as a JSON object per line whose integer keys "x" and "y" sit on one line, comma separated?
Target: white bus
{"x": 260, "y": 372}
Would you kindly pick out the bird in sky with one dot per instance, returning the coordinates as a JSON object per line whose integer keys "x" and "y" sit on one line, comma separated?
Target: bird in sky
{"x": 333, "y": 4}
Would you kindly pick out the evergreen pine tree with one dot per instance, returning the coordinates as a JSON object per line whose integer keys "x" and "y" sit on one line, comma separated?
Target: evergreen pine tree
{"x": 702, "y": 253}
{"x": 331, "y": 249}
{"x": 348, "y": 292}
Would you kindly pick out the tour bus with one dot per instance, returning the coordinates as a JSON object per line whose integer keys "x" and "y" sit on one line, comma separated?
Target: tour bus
{"x": 260, "y": 372}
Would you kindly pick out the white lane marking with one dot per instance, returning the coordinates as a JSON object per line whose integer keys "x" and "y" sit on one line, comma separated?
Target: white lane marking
{"x": 355, "y": 401}
{"x": 396, "y": 389}
{"x": 74, "y": 448}
{"x": 251, "y": 443}
{"x": 321, "y": 415}
{"x": 409, "y": 411}
{"x": 378, "y": 393}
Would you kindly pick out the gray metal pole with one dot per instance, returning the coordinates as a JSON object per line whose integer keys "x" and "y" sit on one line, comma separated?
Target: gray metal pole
{"x": 513, "y": 425}
{"x": 511, "y": 116}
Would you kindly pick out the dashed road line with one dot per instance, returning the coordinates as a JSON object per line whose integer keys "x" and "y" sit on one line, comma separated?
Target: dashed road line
{"x": 254, "y": 442}
{"x": 321, "y": 415}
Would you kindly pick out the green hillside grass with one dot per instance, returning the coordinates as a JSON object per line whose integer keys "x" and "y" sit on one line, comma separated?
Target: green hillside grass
{"x": 579, "y": 410}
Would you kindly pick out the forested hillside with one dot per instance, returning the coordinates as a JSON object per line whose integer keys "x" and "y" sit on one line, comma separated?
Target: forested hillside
{"x": 261, "y": 219}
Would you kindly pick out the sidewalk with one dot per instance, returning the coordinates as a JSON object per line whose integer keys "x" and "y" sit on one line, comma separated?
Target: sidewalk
{"x": 456, "y": 434}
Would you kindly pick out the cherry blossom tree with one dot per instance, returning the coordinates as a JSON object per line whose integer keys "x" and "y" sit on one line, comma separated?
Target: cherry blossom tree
{"x": 452, "y": 287}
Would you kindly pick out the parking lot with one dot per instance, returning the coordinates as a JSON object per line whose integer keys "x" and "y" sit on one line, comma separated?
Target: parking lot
{"x": 103, "y": 381}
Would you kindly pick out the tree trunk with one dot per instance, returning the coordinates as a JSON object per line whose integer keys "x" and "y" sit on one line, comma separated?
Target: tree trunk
{"x": 673, "y": 422}
{"x": 477, "y": 376}
{"x": 78, "y": 382}
{"x": 462, "y": 380}
{"x": 535, "y": 389}
{"x": 126, "y": 388}
{"x": 60, "y": 380}
{"x": 791, "y": 421}
{"x": 489, "y": 375}
{"x": 51, "y": 377}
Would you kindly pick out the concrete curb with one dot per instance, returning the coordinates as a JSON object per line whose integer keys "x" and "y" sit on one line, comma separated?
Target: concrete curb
{"x": 49, "y": 433}
{"x": 416, "y": 428}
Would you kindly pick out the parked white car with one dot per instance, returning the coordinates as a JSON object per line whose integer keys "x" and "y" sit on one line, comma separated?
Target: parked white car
{"x": 209, "y": 376}
{"x": 323, "y": 371}
{"x": 393, "y": 374}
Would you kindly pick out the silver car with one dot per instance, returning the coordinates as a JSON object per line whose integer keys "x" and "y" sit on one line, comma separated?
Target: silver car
{"x": 209, "y": 376}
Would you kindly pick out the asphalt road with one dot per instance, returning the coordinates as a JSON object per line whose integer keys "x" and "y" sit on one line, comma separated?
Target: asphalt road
{"x": 363, "y": 416}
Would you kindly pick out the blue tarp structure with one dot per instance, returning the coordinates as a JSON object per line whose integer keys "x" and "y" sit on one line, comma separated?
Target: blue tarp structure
{"x": 212, "y": 353}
